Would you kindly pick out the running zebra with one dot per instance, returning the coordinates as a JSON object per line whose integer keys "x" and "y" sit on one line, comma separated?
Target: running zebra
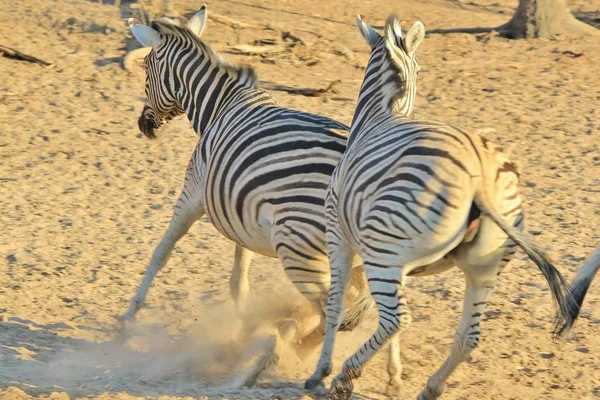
{"x": 259, "y": 171}
{"x": 581, "y": 283}
{"x": 415, "y": 198}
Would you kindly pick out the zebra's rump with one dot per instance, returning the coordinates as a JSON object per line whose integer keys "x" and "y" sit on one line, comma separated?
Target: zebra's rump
{"x": 410, "y": 179}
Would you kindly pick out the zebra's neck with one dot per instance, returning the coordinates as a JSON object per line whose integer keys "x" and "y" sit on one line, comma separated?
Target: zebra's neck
{"x": 206, "y": 85}
{"x": 383, "y": 91}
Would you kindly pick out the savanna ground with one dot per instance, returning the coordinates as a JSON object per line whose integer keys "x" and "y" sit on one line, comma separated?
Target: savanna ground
{"x": 84, "y": 198}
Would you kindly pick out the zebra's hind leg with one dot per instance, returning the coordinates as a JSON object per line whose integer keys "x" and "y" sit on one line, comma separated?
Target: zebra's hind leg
{"x": 467, "y": 336}
{"x": 238, "y": 282}
{"x": 394, "y": 362}
{"x": 481, "y": 261}
{"x": 385, "y": 284}
{"x": 188, "y": 209}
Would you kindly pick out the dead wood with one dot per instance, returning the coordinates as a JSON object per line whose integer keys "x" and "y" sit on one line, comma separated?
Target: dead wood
{"x": 235, "y": 24}
{"x": 254, "y": 50}
{"x": 309, "y": 92}
{"x": 100, "y": 131}
{"x": 17, "y": 55}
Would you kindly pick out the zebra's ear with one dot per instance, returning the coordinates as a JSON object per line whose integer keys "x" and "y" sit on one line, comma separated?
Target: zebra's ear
{"x": 367, "y": 32}
{"x": 393, "y": 30}
{"x": 144, "y": 34}
{"x": 414, "y": 37}
{"x": 198, "y": 22}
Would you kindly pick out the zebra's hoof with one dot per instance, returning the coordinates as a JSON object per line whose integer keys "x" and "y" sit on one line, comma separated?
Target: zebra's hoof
{"x": 314, "y": 384}
{"x": 341, "y": 388}
{"x": 393, "y": 390}
{"x": 430, "y": 394}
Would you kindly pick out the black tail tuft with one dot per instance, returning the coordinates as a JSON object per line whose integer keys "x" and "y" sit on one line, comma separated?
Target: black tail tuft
{"x": 581, "y": 283}
{"x": 356, "y": 312}
{"x": 358, "y": 300}
{"x": 561, "y": 292}
{"x": 566, "y": 304}
{"x": 578, "y": 291}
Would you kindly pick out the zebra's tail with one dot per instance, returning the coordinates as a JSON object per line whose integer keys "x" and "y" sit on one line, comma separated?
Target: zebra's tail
{"x": 358, "y": 299}
{"x": 356, "y": 312}
{"x": 567, "y": 305}
{"x": 583, "y": 278}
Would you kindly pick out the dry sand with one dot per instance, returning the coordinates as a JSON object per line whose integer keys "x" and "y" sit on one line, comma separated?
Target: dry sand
{"x": 84, "y": 199}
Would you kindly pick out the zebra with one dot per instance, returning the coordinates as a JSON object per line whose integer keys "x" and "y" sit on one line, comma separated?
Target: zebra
{"x": 259, "y": 171}
{"x": 414, "y": 198}
{"x": 581, "y": 283}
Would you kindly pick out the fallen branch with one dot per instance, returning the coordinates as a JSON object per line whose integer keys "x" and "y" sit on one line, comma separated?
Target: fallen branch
{"x": 311, "y": 32}
{"x": 235, "y": 24}
{"x": 247, "y": 49}
{"x": 309, "y": 92}
{"x": 312, "y": 17}
{"x": 100, "y": 131}
{"x": 17, "y": 55}
{"x": 295, "y": 38}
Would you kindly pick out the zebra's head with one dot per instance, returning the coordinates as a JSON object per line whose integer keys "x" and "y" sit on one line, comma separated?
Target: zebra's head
{"x": 161, "y": 102}
{"x": 398, "y": 55}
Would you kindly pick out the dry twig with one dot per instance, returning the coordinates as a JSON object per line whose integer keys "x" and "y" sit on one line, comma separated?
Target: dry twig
{"x": 249, "y": 50}
{"x": 235, "y": 24}
{"x": 100, "y": 131}
{"x": 309, "y": 92}
{"x": 17, "y": 55}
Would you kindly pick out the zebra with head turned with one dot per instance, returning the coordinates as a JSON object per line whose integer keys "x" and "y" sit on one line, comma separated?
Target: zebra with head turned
{"x": 581, "y": 283}
{"x": 259, "y": 171}
{"x": 415, "y": 198}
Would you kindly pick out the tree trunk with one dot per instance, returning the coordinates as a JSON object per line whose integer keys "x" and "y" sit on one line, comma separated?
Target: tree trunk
{"x": 545, "y": 19}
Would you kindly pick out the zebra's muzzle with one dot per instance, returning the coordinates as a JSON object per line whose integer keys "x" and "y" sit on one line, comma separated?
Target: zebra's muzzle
{"x": 146, "y": 126}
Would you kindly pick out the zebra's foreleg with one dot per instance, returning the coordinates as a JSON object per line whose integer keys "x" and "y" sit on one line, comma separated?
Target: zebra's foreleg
{"x": 467, "y": 336}
{"x": 185, "y": 213}
{"x": 385, "y": 284}
{"x": 340, "y": 256}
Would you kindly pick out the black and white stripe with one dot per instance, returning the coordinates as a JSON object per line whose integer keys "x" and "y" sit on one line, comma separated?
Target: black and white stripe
{"x": 259, "y": 172}
{"x": 416, "y": 198}
{"x": 581, "y": 283}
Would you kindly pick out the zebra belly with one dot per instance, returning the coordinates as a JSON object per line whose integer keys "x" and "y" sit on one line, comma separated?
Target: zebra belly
{"x": 266, "y": 183}
{"x": 255, "y": 236}
{"x": 266, "y": 222}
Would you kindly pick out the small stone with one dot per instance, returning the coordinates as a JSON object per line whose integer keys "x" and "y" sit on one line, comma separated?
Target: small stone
{"x": 485, "y": 131}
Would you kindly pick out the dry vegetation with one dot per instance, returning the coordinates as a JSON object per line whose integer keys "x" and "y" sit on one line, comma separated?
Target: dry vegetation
{"x": 84, "y": 198}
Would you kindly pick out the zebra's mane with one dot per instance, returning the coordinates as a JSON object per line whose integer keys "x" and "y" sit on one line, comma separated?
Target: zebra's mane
{"x": 398, "y": 84}
{"x": 394, "y": 85}
{"x": 174, "y": 26}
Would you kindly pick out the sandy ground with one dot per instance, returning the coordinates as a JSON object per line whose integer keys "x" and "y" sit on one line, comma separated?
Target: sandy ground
{"x": 84, "y": 198}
